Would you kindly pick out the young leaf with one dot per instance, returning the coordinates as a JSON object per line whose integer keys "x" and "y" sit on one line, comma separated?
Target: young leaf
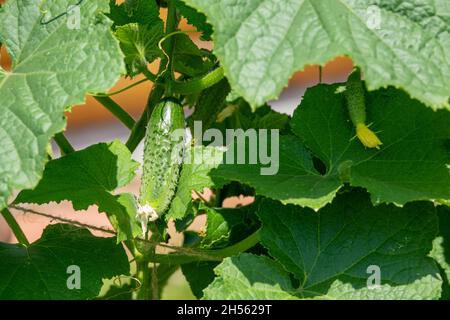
{"x": 54, "y": 65}
{"x": 237, "y": 280}
{"x": 333, "y": 252}
{"x": 261, "y": 43}
{"x": 411, "y": 165}
{"x": 88, "y": 177}
{"x": 44, "y": 269}
{"x": 139, "y": 44}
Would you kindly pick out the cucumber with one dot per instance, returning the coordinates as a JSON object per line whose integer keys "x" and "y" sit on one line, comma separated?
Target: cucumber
{"x": 356, "y": 105}
{"x": 163, "y": 153}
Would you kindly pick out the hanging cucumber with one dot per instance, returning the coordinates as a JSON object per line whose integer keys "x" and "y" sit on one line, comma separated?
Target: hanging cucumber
{"x": 356, "y": 104}
{"x": 163, "y": 153}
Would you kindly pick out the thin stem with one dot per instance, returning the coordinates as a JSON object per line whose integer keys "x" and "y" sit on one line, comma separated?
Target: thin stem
{"x": 117, "y": 111}
{"x": 12, "y": 223}
{"x": 138, "y": 131}
{"x": 63, "y": 144}
{"x": 121, "y": 90}
{"x": 149, "y": 75}
{"x": 171, "y": 26}
{"x": 198, "y": 84}
{"x": 210, "y": 255}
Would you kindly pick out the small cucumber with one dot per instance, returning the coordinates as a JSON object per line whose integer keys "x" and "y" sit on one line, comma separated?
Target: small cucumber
{"x": 356, "y": 105}
{"x": 163, "y": 153}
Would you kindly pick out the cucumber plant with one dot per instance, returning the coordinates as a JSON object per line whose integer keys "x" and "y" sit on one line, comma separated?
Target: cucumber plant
{"x": 337, "y": 218}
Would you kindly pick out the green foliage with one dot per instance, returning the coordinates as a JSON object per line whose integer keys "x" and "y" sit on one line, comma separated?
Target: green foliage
{"x": 330, "y": 251}
{"x": 143, "y": 12}
{"x": 411, "y": 164}
{"x": 89, "y": 177}
{"x": 139, "y": 44}
{"x": 194, "y": 177}
{"x": 41, "y": 270}
{"x": 262, "y": 42}
{"x": 53, "y": 67}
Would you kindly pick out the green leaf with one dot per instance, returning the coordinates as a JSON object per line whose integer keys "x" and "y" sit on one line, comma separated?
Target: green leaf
{"x": 330, "y": 251}
{"x": 296, "y": 181}
{"x": 41, "y": 271}
{"x": 237, "y": 280}
{"x": 195, "y": 18}
{"x": 188, "y": 59}
{"x": 54, "y": 65}
{"x": 139, "y": 44}
{"x": 411, "y": 164}
{"x": 88, "y": 177}
{"x": 226, "y": 226}
{"x": 194, "y": 176}
{"x": 240, "y": 115}
{"x": 199, "y": 275}
{"x": 134, "y": 11}
{"x": 261, "y": 43}
{"x": 209, "y": 104}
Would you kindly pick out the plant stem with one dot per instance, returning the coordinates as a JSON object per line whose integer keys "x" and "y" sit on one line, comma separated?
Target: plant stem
{"x": 120, "y": 90}
{"x": 143, "y": 272}
{"x": 138, "y": 131}
{"x": 63, "y": 144}
{"x": 12, "y": 223}
{"x": 149, "y": 75}
{"x": 210, "y": 255}
{"x": 171, "y": 26}
{"x": 116, "y": 110}
{"x": 198, "y": 84}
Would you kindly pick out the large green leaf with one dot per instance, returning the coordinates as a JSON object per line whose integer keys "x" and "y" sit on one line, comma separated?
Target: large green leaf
{"x": 88, "y": 177}
{"x": 330, "y": 251}
{"x": 412, "y": 163}
{"x": 41, "y": 271}
{"x": 54, "y": 65}
{"x": 261, "y": 43}
{"x": 249, "y": 277}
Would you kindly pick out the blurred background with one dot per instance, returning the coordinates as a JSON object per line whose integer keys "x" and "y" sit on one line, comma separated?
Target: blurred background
{"x": 91, "y": 123}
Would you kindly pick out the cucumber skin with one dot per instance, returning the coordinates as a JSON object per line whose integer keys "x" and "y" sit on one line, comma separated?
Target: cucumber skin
{"x": 160, "y": 173}
{"x": 354, "y": 95}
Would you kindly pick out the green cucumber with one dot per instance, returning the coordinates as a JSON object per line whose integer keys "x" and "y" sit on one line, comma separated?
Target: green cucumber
{"x": 163, "y": 153}
{"x": 356, "y": 104}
